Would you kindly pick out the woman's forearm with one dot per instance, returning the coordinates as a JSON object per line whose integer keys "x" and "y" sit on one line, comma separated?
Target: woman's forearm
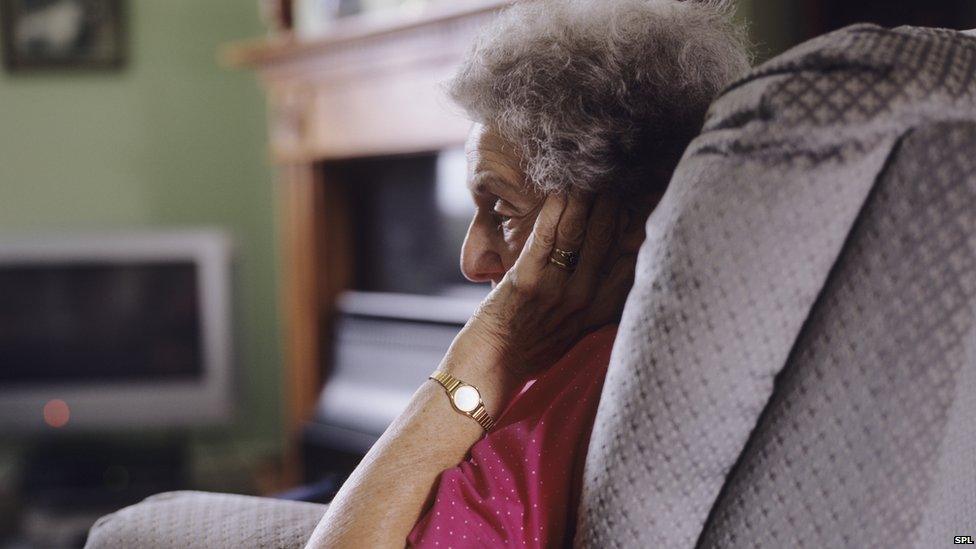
{"x": 386, "y": 494}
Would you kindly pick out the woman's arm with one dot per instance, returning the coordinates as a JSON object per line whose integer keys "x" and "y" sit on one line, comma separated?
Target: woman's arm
{"x": 386, "y": 494}
{"x": 536, "y": 311}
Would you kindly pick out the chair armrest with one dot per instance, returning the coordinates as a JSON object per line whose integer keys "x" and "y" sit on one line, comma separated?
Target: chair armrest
{"x": 207, "y": 521}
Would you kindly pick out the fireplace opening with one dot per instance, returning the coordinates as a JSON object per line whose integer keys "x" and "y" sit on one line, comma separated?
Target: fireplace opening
{"x": 408, "y": 215}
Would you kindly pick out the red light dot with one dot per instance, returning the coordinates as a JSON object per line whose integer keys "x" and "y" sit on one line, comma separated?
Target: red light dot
{"x": 56, "y": 413}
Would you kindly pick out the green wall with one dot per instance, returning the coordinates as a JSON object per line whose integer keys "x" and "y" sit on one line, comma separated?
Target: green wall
{"x": 171, "y": 140}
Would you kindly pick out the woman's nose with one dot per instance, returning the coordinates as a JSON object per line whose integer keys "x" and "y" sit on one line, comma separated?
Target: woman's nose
{"x": 480, "y": 261}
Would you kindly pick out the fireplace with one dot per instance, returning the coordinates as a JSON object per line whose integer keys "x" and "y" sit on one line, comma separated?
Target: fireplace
{"x": 408, "y": 216}
{"x": 370, "y": 195}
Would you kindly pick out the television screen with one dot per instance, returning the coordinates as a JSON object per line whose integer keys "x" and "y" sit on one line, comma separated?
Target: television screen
{"x": 96, "y": 322}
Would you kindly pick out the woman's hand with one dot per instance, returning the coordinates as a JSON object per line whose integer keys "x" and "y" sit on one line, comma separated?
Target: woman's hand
{"x": 540, "y": 309}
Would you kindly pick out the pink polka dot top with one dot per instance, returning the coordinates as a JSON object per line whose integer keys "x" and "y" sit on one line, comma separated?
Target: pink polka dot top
{"x": 520, "y": 484}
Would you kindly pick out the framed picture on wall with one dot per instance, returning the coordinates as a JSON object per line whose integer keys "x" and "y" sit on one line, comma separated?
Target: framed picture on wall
{"x": 46, "y": 34}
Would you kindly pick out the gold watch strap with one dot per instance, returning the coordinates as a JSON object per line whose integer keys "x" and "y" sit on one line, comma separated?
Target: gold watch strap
{"x": 450, "y": 384}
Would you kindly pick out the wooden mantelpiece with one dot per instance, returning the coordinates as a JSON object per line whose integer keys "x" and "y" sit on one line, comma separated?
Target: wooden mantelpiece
{"x": 370, "y": 88}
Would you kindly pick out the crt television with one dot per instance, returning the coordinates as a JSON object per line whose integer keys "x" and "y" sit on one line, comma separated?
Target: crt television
{"x": 115, "y": 330}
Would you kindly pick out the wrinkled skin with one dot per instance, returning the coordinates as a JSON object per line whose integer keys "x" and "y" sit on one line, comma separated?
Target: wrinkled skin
{"x": 537, "y": 310}
{"x": 533, "y": 314}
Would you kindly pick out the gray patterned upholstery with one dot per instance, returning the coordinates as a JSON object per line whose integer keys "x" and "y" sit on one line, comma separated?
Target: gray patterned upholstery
{"x": 795, "y": 364}
{"x": 847, "y": 451}
{"x": 201, "y": 520}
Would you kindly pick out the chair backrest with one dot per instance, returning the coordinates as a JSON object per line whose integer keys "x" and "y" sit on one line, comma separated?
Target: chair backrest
{"x": 796, "y": 364}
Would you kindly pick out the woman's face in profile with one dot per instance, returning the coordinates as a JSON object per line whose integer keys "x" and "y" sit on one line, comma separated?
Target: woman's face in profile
{"x": 506, "y": 206}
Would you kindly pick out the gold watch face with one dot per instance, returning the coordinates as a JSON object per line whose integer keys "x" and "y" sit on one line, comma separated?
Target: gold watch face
{"x": 466, "y": 398}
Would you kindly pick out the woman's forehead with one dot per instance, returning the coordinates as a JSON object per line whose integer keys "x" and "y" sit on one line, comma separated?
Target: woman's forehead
{"x": 482, "y": 139}
{"x": 490, "y": 157}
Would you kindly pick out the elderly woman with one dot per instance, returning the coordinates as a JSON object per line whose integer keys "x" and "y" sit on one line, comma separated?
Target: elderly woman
{"x": 581, "y": 111}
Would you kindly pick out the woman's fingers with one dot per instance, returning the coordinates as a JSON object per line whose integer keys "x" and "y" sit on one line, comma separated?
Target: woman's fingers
{"x": 597, "y": 243}
{"x": 565, "y": 255}
{"x": 572, "y": 224}
{"x": 535, "y": 255}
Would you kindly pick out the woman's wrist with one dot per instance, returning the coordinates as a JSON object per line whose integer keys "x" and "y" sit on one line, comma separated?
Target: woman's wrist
{"x": 476, "y": 361}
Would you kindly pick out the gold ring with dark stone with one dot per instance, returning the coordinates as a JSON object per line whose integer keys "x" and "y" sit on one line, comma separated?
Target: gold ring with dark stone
{"x": 564, "y": 259}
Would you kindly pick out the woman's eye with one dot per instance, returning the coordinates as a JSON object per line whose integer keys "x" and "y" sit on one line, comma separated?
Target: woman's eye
{"x": 503, "y": 211}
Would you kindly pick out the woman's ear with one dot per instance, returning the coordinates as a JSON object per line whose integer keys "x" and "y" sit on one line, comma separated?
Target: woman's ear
{"x": 635, "y": 216}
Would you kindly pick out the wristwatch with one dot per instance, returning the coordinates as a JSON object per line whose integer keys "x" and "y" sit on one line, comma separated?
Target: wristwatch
{"x": 464, "y": 398}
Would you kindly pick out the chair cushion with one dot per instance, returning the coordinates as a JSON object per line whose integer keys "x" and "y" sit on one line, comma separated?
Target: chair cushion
{"x": 863, "y": 435}
{"x": 207, "y": 521}
{"x": 736, "y": 292}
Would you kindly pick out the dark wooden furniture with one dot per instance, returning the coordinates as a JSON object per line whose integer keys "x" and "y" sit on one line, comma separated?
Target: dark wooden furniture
{"x": 369, "y": 89}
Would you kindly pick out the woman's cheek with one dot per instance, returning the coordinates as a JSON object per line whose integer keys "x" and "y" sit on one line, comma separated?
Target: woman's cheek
{"x": 516, "y": 238}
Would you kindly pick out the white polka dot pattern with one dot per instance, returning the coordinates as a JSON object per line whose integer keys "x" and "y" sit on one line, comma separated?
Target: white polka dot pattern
{"x": 520, "y": 485}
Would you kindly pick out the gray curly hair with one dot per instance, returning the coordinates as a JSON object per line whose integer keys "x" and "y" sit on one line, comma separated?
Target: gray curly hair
{"x": 600, "y": 95}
